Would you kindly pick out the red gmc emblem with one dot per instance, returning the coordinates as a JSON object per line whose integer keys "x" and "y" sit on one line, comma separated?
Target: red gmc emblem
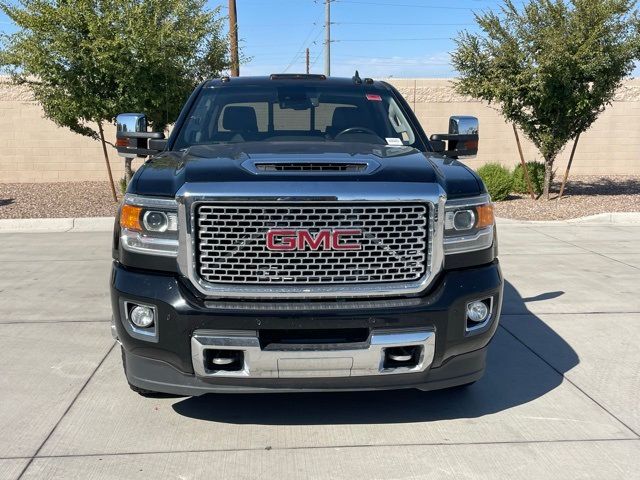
{"x": 287, "y": 240}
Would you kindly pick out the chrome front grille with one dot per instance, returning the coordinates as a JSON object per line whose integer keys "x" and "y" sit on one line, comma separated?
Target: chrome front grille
{"x": 231, "y": 243}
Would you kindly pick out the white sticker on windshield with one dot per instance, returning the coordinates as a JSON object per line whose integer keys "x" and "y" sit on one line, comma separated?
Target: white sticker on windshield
{"x": 396, "y": 142}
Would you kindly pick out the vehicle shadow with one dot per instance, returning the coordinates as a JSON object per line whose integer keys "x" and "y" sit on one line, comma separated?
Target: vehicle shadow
{"x": 515, "y": 375}
{"x": 602, "y": 186}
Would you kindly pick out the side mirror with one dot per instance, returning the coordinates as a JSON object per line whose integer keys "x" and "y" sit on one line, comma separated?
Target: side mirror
{"x": 132, "y": 138}
{"x": 462, "y": 138}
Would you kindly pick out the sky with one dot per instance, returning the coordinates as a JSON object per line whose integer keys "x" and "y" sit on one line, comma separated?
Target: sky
{"x": 379, "y": 38}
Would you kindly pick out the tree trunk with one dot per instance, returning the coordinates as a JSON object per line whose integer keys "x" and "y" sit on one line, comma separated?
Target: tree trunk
{"x": 106, "y": 159}
{"x": 548, "y": 171}
{"x": 525, "y": 171}
{"x": 566, "y": 172}
{"x": 128, "y": 173}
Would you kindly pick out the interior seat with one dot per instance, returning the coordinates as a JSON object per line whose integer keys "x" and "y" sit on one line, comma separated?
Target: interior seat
{"x": 241, "y": 123}
{"x": 347, "y": 117}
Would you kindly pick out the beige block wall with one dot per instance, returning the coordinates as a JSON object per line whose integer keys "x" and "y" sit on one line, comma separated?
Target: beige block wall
{"x": 34, "y": 149}
{"x": 610, "y": 147}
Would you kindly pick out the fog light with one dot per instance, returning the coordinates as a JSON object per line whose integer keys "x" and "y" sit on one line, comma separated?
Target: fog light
{"x": 141, "y": 316}
{"x": 477, "y": 311}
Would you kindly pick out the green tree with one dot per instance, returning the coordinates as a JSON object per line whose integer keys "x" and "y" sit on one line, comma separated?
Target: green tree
{"x": 550, "y": 66}
{"x": 85, "y": 61}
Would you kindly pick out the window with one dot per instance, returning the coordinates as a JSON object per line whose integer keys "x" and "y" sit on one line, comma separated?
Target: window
{"x": 285, "y": 119}
{"x": 246, "y": 113}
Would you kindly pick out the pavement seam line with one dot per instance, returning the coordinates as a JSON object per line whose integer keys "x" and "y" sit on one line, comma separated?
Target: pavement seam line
{"x": 521, "y": 254}
{"x": 582, "y": 314}
{"x": 59, "y": 260}
{"x": 568, "y": 380}
{"x": 522, "y": 314}
{"x": 64, "y": 414}
{"x": 53, "y": 322}
{"x": 327, "y": 447}
{"x": 585, "y": 249}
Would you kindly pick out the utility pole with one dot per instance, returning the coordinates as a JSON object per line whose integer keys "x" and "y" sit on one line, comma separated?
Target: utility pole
{"x": 307, "y": 61}
{"x": 327, "y": 37}
{"x": 233, "y": 38}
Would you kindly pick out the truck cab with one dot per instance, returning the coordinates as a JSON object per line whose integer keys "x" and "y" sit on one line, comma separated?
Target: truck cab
{"x": 302, "y": 233}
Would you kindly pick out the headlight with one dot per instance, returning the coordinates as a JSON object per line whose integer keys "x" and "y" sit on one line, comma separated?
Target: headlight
{"x": 149, "y": 225}
{"x": 468, "y": 224}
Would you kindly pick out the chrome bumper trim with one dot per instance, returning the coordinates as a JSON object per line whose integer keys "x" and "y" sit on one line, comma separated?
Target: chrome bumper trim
{"x": 114, "y": 331}
{"x": 362, "y": 360}
{"x": 469, "y": 243}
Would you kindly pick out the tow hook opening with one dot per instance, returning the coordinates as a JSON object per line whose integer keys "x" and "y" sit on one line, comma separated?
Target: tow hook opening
{"x": 224, "y": 360}
{"x": 395, "y": 357}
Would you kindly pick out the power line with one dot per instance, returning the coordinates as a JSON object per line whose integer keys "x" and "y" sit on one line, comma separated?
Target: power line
{"x": 317, "y": 57}
{"x": 276, "y": 25}
{"x": 440, "y": 66}
{"x": 397, "y": 62}
{"x": 390, "y": 39}
{"x": 432, "y": 24}
{"x": 304, "y": 43}
{"x": 301, "y": 51}
{"x": 432, "y": 7}
{"x": 394, "y": 57}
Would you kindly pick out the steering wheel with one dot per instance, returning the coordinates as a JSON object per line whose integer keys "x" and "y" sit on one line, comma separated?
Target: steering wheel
{"x": 354, "y": 130}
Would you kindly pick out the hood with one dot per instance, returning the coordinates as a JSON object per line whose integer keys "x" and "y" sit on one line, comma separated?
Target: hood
{"x": 248, "y": 162}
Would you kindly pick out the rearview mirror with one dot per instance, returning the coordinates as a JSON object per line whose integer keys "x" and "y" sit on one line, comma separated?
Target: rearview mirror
{"x": 132, "y": 138}
{"x": 462, "y": 139}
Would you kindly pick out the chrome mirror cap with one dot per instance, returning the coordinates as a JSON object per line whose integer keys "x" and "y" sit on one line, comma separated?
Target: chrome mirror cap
{"x": 463, "y": 125}
{"x": 131, "y": 122}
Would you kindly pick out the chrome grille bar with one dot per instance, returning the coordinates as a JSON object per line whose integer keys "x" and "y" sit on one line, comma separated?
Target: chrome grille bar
{"x": 231, "y": 243}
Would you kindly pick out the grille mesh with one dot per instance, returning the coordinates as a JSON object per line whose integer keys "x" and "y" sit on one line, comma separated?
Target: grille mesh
{"x": 231, "y": 243}
{"x": 311, "y": 167}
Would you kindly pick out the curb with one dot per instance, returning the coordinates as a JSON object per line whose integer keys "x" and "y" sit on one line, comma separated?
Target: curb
{"x": 613, "y": 218}
{"x": 105, "y": 224}
{"x": 56, "y": 225}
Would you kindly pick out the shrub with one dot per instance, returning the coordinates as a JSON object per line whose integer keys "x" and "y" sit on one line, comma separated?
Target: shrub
{"x": 536, "y": 174}
{"x": 122, "y": 183}
{"x": 497, "y": 179}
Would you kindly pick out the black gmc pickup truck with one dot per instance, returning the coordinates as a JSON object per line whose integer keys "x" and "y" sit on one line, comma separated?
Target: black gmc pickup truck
{"x": 302, "y": 233}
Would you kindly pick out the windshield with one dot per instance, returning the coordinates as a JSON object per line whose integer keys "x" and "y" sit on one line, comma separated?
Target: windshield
{"x": 294, "y": 113}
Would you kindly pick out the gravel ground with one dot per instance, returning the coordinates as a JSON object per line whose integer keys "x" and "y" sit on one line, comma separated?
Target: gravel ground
{"x": 583, "y": 196}
{"x": 65, "y": 199}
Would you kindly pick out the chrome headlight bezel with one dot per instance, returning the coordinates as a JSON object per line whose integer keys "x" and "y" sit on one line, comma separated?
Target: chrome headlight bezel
{"x": 479, "y": 236}
{"x": 143, "y": 239}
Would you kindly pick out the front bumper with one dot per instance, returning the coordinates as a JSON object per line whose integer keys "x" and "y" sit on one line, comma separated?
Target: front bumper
{"x": 173, "y": 360}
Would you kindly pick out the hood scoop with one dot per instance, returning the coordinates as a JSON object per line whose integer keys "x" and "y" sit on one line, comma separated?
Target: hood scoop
{"x": 297, "y": 167}
{"x": 311, "y": 167}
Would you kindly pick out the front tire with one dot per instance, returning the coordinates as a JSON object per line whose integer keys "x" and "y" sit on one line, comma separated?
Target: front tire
{"x": 146, "y": 393}
{"x": 462, "y": 387}
{"x": 142, "y": 391}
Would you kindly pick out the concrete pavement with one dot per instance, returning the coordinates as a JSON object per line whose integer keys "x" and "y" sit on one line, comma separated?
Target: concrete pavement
{"x": 559, "y": 399}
